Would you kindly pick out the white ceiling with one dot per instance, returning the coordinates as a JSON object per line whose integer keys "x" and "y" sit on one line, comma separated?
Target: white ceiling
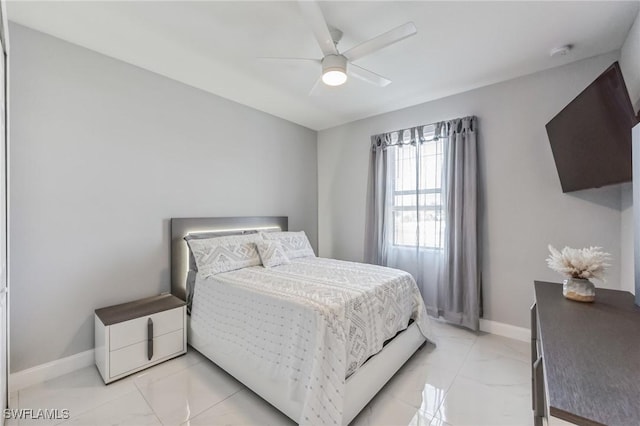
{"x": 213, "y": 45}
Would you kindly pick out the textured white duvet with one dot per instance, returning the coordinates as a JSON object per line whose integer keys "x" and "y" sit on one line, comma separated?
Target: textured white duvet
{"x": 313, "y": 322}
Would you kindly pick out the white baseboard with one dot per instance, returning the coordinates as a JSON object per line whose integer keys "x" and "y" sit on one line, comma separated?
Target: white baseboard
{"x": 50, "y": 370}
{"x": 506, "y": 330}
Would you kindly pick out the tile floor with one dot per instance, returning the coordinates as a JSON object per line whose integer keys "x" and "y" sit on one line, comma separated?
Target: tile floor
{"x": 468, "y": 379}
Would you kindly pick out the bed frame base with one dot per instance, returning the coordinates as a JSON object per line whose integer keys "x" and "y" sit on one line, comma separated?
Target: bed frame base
{"x": 361, "y": 386}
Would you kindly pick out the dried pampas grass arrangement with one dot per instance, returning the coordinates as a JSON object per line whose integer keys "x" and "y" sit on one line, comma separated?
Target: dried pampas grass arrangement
{"x": 582, "y": 263}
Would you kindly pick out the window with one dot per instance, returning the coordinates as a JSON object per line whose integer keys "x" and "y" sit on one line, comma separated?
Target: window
{"x": 417, "y": 209}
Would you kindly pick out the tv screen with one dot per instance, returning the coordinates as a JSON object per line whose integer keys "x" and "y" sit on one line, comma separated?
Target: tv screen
{"x": 591, "y": 137}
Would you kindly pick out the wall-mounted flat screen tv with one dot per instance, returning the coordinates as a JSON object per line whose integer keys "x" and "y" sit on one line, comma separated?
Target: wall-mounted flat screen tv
{"x": 591, "y": 137}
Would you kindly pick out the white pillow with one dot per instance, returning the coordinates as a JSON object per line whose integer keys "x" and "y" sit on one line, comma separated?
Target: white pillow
{"x": 272, "y": 254}
{"x": 223, "y": 254}
{"x": 295, "y": 244}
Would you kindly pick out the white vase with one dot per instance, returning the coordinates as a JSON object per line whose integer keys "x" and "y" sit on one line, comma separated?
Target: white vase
{"x": 579, "y": 289}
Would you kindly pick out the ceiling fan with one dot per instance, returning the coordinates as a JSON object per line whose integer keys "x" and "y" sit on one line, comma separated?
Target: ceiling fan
{"x": 335, "y": 65}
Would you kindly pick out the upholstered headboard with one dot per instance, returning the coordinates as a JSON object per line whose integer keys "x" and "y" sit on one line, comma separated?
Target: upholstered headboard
{"x": 211, "y": 226}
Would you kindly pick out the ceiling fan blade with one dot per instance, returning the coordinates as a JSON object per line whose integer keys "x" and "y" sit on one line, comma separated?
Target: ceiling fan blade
{"x": 315, "y": 89}
{"x": 381, "y": 41}
{"x": 368, "y": 76}
{"x": 314, "y": 17}
{"x": 274, "y": 58}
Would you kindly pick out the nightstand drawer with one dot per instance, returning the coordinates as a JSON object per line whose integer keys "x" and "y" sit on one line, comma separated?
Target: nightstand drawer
{"x": 135, "y": 330}
{"x": 135, "y": 356}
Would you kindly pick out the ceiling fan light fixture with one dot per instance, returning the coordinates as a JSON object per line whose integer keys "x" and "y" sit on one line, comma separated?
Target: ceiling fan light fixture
{"x": 334, "y": 70}
{"x": 334, "y": 77}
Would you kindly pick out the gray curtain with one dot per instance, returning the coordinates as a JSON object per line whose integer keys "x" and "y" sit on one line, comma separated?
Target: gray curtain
{"x": 459, "y": 274}
{"x": 376, "y": 226}
{"x": 440, "y": 225}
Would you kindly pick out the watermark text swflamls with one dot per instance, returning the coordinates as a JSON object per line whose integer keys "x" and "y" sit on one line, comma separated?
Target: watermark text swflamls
{"x": 36, "y": 413}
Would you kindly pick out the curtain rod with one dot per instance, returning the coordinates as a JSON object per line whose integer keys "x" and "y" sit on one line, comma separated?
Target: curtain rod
{"x": 410, "y": 142}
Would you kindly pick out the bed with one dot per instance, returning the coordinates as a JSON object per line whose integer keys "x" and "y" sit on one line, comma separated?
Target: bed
{"x": 317, "y": 338}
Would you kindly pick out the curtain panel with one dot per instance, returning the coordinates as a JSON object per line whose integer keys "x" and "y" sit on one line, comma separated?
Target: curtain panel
{"x": 422, "y": 205}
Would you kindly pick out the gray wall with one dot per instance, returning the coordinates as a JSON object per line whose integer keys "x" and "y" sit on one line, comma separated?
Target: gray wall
{"x": 524, "y": 207}
{"x": 102, "y": 155}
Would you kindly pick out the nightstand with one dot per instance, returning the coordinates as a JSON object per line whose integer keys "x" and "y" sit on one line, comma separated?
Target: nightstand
{"x": 133, "y": 336}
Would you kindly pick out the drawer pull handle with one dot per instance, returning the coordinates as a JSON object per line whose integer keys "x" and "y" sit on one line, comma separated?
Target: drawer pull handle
{"x": 150, "y": 339}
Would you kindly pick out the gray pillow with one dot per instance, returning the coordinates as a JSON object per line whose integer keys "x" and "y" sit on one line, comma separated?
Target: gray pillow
{"x": 193, "y": 267}
{"x": 294, "y": 244}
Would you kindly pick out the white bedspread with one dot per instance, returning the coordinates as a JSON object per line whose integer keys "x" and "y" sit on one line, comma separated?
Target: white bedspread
{"x": 313, "y": 322}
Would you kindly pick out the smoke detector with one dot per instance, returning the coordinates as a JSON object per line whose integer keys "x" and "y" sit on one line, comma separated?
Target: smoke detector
{"x": 561, "y": 50}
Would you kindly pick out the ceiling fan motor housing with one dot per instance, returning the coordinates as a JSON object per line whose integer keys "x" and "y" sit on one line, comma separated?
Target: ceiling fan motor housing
{"x": 334, "y": 63}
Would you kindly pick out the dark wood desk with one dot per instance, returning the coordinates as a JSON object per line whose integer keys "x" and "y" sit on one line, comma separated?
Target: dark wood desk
{"x": 588, "y": 358}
